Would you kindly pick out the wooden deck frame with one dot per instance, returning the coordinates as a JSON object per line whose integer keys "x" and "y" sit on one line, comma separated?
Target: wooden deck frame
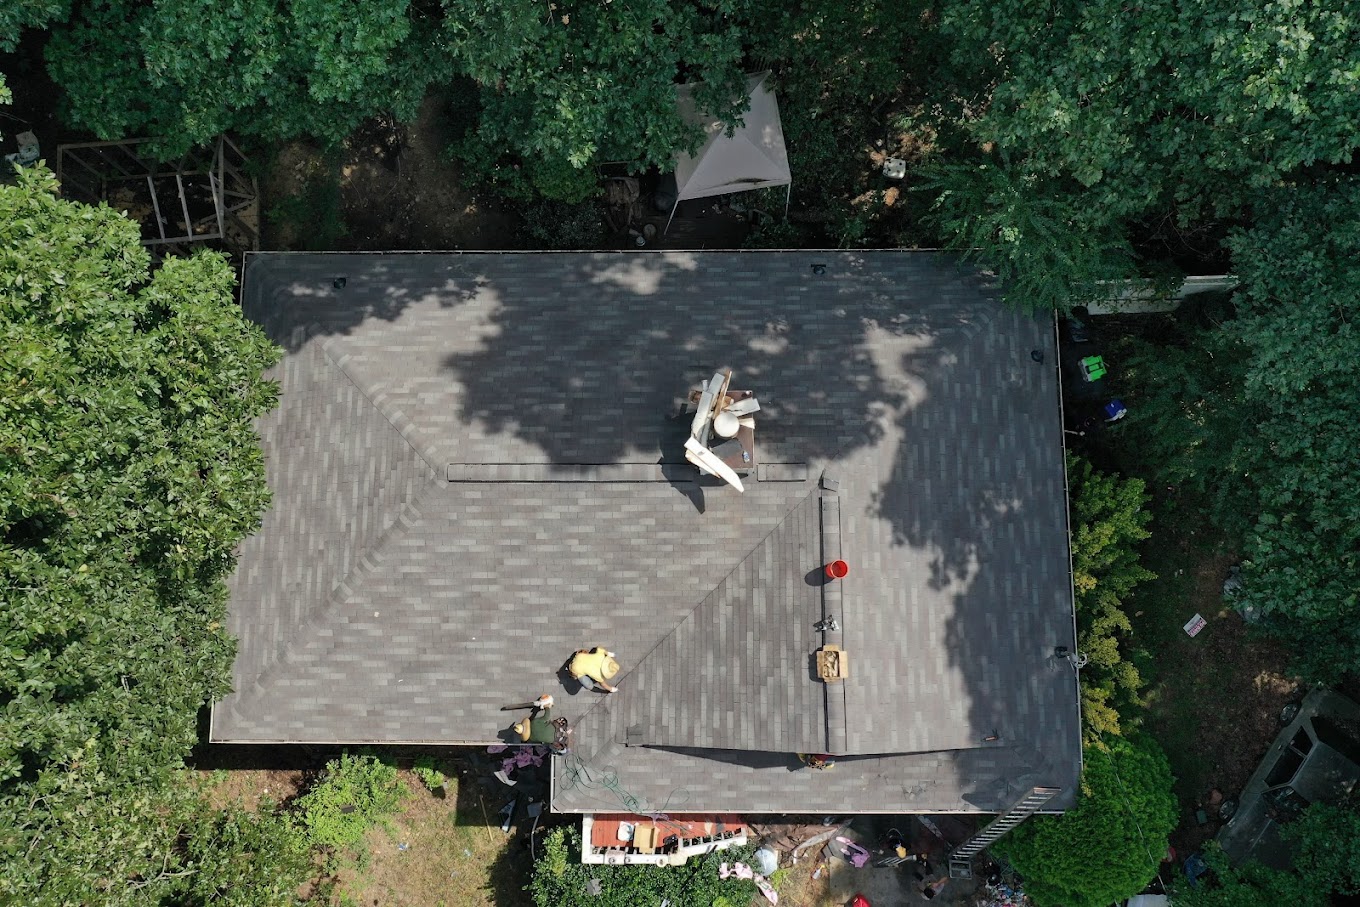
{"x": 176, "y": 219}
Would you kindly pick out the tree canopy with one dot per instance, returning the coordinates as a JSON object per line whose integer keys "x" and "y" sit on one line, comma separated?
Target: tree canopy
{"x": 1081, "y": 131}
{"x": 129, "y": 470}
{"x": 1258, "y": 415}
{"x": 1163, "y": 104}
{"x": 1326, "y": 843}
{"x": 181, "y": 73}
{"x": 1109, "y": 845}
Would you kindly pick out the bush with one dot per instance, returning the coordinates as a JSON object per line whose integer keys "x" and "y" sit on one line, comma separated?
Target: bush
{"x": 353, "y": 794}
{"x": 558, "y": 225}
{"x": 561, "y": 880}
{"x": 243, "y": 859}
{"x": 1109, "y": 845}
{"x": 1252, "y": 885}
{"x": 426, "y": 769}
{"x": 1108, "y": 522}
{"x": 1327, "y": 847}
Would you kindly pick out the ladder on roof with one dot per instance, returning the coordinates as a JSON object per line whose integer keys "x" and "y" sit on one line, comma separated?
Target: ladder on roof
{"x": 961, "y": 857}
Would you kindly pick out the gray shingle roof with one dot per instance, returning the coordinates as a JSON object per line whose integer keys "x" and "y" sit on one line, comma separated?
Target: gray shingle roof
{"x": 476, "y": 471}
{"x": 741, "y": 657}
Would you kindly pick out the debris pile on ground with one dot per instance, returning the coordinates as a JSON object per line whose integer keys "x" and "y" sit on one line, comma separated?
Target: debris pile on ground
{"x": 1000, "y": 894}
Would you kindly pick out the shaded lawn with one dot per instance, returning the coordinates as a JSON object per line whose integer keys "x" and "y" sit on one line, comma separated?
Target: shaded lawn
{"x": 1213, "y": 700}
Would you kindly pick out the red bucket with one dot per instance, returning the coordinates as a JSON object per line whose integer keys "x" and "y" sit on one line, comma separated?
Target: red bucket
{"x": 837, "y": 570}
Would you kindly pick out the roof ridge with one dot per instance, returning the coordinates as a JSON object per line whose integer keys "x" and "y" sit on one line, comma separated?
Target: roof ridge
{"x": 406, "y": 427}
{"x": 738, "y": 564}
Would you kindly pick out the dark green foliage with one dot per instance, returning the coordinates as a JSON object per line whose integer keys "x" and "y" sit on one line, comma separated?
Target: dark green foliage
{"x": 185, "y": 72}
{"x": 1049, "y": 249}
{"x": 236, "y": 858}
{"x": 1326, "y": 843}
{"x": 566, "y": 87}
{"x": 16, "y": 15}
{"x": 1108, "y": 523}
{"x": 1161, "y": 106}
{"x": 353, "y": 793}
{"x": 1258, "y": 415}
{"x": 557, "y": 225}
{"x": 560, "y": 879}
{"x": 1100, "y": 121}
{"x": 1252, "y": 885}
{"x": 1109, "y": 845}
{"x": 1297, "y": 320}
{"x": 129, "y": 471}
{"x": 839, "y": 66}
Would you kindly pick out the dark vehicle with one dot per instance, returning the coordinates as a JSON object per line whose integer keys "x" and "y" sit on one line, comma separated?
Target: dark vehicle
{"x": 1315, "y": 759}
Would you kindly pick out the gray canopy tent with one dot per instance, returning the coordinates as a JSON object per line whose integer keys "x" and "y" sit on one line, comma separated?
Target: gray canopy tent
{"x": 753, "y": 157}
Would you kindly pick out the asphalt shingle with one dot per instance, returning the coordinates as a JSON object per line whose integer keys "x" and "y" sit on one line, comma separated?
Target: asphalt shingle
{"x": 476, "y": 469}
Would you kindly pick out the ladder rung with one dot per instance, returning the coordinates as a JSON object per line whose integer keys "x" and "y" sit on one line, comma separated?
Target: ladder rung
{"x": 1023, "y": 809}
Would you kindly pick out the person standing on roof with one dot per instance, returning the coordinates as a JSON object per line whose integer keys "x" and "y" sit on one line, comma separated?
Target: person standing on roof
{"x": 593, "y": 668}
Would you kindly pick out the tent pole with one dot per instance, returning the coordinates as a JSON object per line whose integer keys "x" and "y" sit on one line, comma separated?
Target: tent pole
{"x": 788, "y": 193}
{"x": 672, "y": 217}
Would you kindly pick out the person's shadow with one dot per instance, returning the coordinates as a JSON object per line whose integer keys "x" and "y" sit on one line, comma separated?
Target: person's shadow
{"x": 570, "y": 685}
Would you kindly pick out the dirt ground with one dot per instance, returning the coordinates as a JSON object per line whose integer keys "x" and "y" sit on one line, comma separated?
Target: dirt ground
{"x": 249, "y": 787}
{"x": 819, "y": 880}
{"x": 1215, "y": 699}
{"x": 398, "y": 190}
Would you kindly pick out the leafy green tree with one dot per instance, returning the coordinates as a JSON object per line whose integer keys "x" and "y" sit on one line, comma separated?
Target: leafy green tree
{"x": 1109, "y": 845}
{"x": 1252, "y": 885}
{"x": 1099, "y": 120}
{"x": 184, "y": 73}
{"x": 561, "y": 880}
{"x": 1258, "y": 415}
{"x": 16, "y": 15}
{"x": 1326, "y": 843}
{"x": 564, "y": 88}
{"x": 239, "y": 858}
{"x": 1161, "y": 105}
{"x": 1297, "y": 314}
{"x": 129, "y": 471}
{"x": 1108, "y": 523}
{"x": 1048, "y": 248}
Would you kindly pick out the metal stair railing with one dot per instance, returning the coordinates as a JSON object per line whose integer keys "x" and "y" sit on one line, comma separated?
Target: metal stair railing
{"x": 961, "y": 857}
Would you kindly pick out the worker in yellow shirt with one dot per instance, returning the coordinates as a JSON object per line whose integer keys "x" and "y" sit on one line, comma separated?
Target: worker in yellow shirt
{"x": 593, "y": 668}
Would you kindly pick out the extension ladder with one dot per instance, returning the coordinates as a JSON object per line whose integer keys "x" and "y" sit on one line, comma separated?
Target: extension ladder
{"x": 961, "y": 857}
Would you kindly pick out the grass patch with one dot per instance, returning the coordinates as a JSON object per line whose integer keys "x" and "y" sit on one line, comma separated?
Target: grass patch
{"x": 438, "y": 851}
